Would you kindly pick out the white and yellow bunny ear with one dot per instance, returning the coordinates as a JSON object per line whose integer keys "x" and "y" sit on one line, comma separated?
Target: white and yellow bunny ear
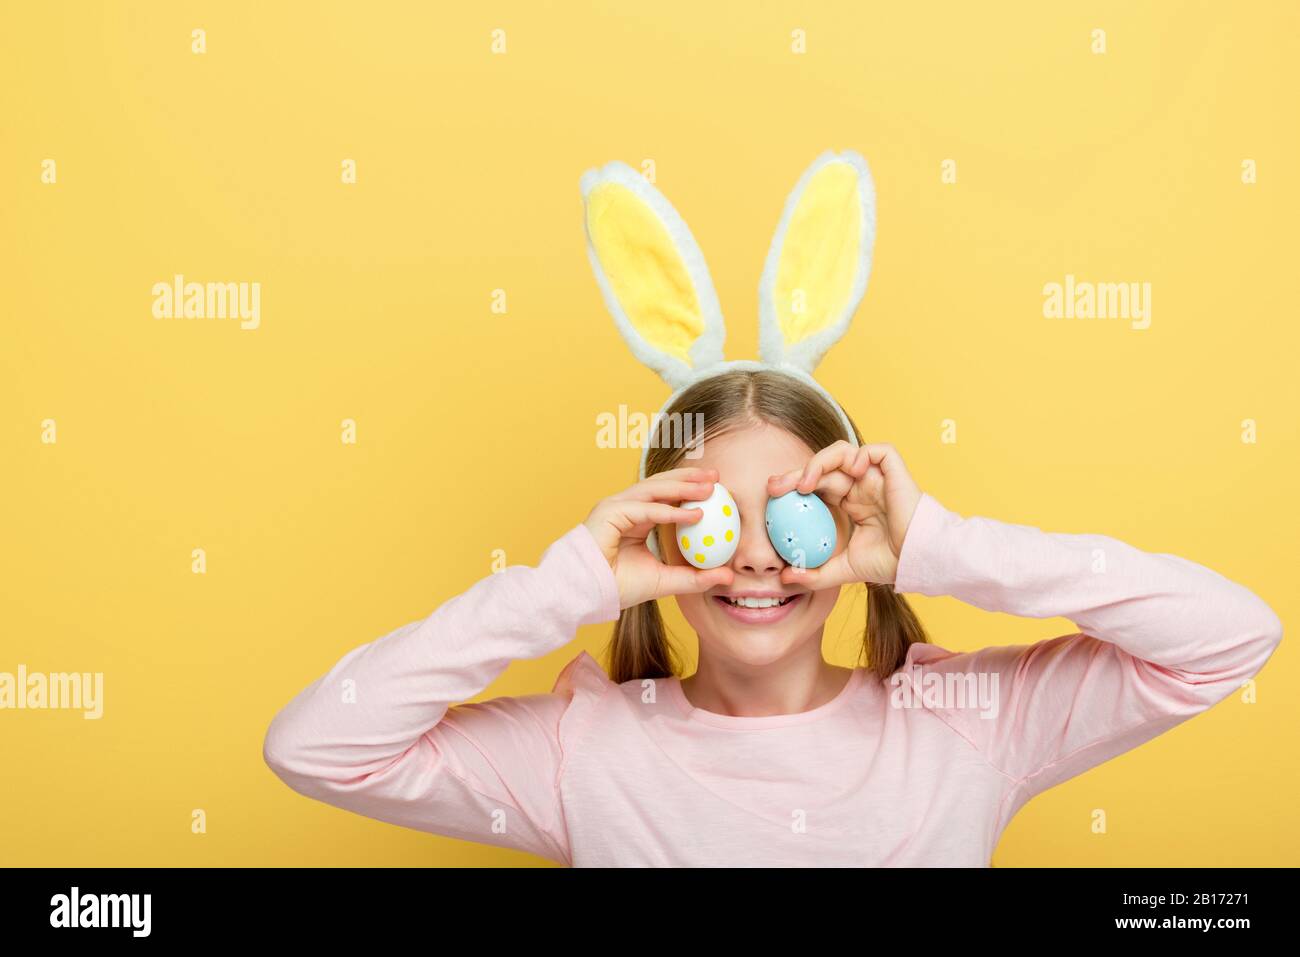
{"x": 819, "y": 261}
{"x": 651, "y": 273}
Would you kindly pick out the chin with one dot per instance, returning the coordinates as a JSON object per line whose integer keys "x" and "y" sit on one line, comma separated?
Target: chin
{"x": 756, "y": 648}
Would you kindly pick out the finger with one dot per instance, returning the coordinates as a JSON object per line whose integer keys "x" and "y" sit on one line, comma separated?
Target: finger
{"x": 833, "y": 487}
{"x": 666, "y": 490}
{"x": 861, "y": 462}
{"x": 886, "y": 457}
{"x": 636, "y": 519}
{"x": 687, "y": 580}
{"x": 779, "y": 484}
{"x": 690, "y": 473}
{"x": 834, "y": 572}
{"x": 833, "y": 456}
{"x": 837, "y": 455}
{"x": 676, "y": 475}
{"x": 868, "y": 479}
{"x": 664, "y": 480}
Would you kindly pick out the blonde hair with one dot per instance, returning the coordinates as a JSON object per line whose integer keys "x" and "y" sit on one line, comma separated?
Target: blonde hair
{"x": 639, "y": 647}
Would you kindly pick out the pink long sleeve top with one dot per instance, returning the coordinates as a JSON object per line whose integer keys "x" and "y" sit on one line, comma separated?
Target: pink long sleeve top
{"x": 909, "y": 772}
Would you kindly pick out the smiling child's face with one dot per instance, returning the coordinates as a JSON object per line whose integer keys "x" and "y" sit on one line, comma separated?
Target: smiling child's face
{"x": 745, "y": 459}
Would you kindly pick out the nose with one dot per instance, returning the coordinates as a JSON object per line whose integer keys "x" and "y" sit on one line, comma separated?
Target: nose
{"x": 755, "y": 553}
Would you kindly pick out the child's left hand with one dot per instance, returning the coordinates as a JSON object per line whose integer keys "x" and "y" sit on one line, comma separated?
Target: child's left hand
{"x": 873, "y": 487}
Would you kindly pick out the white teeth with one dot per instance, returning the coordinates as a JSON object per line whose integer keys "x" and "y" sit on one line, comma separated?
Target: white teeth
{"x": 756, "y": 602}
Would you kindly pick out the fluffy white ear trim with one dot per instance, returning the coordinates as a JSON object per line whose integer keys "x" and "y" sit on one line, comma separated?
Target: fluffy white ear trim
{"x": 651, "y": 273}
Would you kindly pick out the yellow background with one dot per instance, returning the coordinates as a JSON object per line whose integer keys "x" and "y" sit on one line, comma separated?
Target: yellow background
{"x": 476, "y": 431}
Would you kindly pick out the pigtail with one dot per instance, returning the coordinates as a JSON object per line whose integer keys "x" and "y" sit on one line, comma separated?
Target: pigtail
{"x": 639, "y": 646}
{"x": 892, "y": 627}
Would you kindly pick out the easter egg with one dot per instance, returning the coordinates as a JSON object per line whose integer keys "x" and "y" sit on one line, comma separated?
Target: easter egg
{"x": 712, "y": 540}
{"x": 801, "y": 528}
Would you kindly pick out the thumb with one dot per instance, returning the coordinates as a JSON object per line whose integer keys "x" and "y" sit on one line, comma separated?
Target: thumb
{"x": 688, "y": 580}
{"x": 835, "y": 572}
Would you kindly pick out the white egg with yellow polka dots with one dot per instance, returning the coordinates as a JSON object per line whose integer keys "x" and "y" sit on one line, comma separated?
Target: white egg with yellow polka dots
{"x": 712, "y": 540}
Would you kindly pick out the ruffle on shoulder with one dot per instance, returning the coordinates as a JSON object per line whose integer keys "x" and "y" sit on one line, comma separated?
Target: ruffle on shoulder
{"x": 922, "y": 652}
{"x": 583, "y": 674}
{"x": 584, "y": 682}
{"x": 923, "y": 659}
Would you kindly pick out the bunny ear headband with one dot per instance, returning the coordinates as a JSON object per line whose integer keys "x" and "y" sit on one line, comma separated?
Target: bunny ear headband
{"x": 657, "y": 286}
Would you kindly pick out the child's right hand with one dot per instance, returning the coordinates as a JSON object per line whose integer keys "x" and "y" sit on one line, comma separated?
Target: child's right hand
{"x": 621, "y": 523}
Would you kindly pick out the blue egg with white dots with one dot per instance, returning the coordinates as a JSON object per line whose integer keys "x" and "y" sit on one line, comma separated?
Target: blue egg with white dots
{"x": 801, "y": 528}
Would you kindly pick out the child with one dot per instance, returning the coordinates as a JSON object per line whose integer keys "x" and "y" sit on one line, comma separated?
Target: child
{"x": 767, "y": 755}
{"x": 629, "y": 771}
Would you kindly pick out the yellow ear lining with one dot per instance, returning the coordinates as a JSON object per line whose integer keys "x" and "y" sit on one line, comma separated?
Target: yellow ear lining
{"x": 820, "y": 254}
{"x": 645, "y": 270}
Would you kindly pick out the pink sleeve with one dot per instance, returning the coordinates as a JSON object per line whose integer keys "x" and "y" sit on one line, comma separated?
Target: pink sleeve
{"x": 1161, "y": 639}
{"x": 380, "y": 733}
